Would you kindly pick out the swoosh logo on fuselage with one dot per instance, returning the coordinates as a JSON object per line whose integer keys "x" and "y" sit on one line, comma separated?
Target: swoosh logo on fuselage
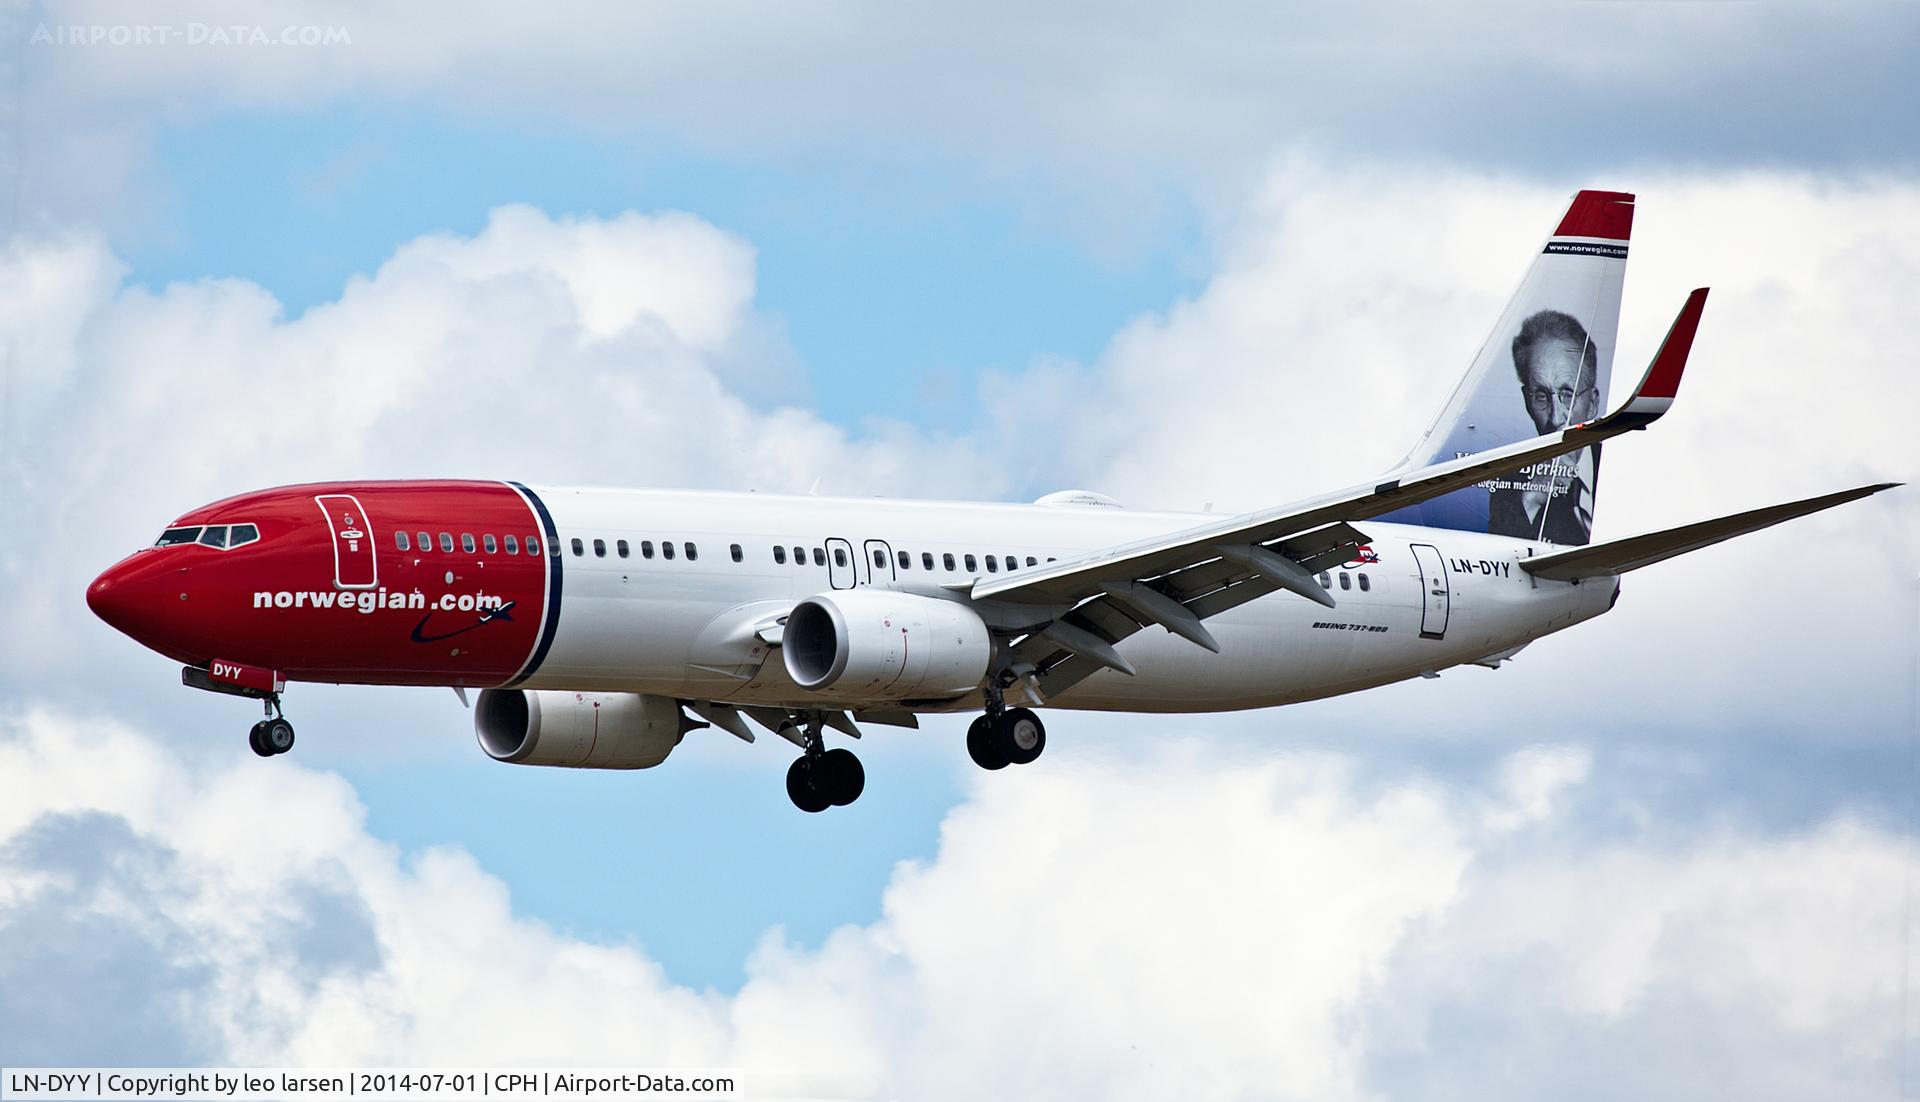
{"x": 492, "y": 614}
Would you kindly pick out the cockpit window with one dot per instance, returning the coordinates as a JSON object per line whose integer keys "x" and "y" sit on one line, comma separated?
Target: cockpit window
{"x": 224, "y": 537}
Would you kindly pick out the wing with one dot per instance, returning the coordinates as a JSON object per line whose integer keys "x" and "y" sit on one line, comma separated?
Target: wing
{"x": 1082, "y": 606}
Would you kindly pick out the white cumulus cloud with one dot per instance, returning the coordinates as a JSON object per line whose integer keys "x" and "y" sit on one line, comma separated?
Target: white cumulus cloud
{"x": 1184, "y": 925}
{"x": 1116, "y": 106}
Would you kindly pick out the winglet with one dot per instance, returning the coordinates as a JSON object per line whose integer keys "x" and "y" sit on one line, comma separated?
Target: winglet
{"x": 1657, "y": 388}
{"x": 1663, "y": 377}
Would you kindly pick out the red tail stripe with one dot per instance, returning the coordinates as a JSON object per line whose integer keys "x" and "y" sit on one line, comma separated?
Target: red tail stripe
{"x": 1605, "y": 214}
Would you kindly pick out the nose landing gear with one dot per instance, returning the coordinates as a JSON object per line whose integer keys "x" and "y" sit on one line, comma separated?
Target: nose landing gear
{"x": 270, "y": 737}
{"x": 273, "y": 735}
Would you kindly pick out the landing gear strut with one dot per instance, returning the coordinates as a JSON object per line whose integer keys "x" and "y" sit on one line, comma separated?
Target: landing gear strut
{"x": 272, "y": 735}
{"x": 1005, "y": 736}
{"x": 821, "y": 778}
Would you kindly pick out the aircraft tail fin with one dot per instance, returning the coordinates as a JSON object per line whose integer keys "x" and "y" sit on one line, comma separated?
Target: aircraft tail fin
{"x": 1619, "y": 556}
{"x": 1545, "y": 367}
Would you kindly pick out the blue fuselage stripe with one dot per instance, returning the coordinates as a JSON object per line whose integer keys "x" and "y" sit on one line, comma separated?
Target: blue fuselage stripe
{"x": 550, "y": 627}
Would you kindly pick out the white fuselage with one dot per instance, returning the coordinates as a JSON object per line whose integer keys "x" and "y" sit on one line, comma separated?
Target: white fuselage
{"x": 686, "y": 627}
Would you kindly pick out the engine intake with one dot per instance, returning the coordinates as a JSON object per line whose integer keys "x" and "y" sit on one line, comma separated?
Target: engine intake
{"x": 577, "y": 730}
{"x": 877, "y": 644}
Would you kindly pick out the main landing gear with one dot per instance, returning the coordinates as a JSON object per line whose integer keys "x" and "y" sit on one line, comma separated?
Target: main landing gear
{"x": 821, "y": 778}
{"x": 1005, "y": 736}
{"x": 272, "y": 735}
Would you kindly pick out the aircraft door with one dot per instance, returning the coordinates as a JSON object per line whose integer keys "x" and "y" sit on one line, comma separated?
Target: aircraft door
{"x": 1436, "y": 594}
{"x": 877, "y": 564}
{"x": 843, "y": 570}
{"x": 354, "y": 565}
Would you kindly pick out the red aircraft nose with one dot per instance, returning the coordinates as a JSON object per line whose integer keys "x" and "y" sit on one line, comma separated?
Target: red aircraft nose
{"x": 141, "y": 597}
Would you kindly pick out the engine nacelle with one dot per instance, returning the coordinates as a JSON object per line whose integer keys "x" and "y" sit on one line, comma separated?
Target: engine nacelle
{"x": 579, "y": 730}
{"x": 877, "y": 644}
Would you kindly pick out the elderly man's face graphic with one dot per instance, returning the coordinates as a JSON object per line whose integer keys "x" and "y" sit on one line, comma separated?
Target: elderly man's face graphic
{"x": 1557, "y": 393}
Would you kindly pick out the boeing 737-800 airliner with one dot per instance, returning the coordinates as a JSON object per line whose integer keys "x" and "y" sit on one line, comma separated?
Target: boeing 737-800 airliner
{"x": 603, "y": 625}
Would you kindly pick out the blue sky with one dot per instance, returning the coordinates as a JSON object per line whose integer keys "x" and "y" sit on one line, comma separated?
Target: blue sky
{"x": 694, "y": 868}
{"x": 861, "y": 260}
{"x": 1232, "y": 255}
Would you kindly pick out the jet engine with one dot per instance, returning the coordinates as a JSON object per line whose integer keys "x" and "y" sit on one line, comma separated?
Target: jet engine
{"x": 876, "y": 644}
{"x": 579, "y": 730}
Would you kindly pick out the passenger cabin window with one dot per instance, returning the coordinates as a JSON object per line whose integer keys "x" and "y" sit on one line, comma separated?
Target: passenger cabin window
{"x": 579, "y": 548}
{"x": 819, "y": 557}
{"x": 513, "y": 544}
{"x": 400, "y": 542}
{"x": 446, "y": 542}
{"x": 466, "y": 542}
{"x": 693, "y": 552}
{"x": 173, "y": 536}
{"x": 426, "y": 540}
{"x": 533, "y": 545}
{"x": 1030, "y": 561}
{"x": 242, "y": 534}
{"x": 620, "y": 548}
{"x": 735, "y": 551}
{"x": 1346, "y": 580}
{"x": 666, "y": 549}
{"x": 1364, "y": 584}
{"x": 215, "y": 535}
{"x": 879, "y": 558}
{"x": 993, "y": 564}
{"x": 599, "y": 549}
{"x": 926, "y": 560}
{"x": 799, "y": 556}
{"x": 646, "y": 549}
{"x": 839, "y": 556}
{"x": 947, "y": 560}
{"x": 487, "y": 541}
{"x": 972, "y": 564}
{"x": 553, "y": 548}
{"x": 1325, "y": 581}
{"x": 905, "y": 560}
{"x": 779, "y": 555}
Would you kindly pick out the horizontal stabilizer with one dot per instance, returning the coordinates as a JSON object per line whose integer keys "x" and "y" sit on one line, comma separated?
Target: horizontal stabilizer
{"x": 1618, "y": 557}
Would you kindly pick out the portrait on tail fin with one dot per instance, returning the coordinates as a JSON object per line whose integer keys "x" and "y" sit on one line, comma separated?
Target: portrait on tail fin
{"x": 1558, "y": 370}
{"x": 1553, "y": 343}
